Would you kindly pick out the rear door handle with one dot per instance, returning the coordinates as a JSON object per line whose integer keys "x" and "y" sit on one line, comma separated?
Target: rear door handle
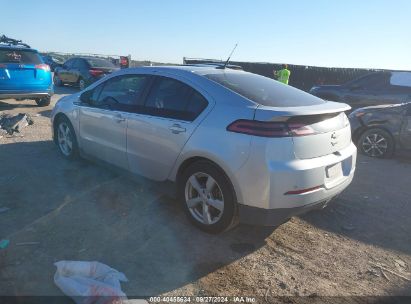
{"x": 119, "y": 118}
{"x": 176, "y": 129}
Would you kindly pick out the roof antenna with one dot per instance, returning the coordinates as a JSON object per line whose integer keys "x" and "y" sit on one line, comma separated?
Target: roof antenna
{"x": 229, "y": 57}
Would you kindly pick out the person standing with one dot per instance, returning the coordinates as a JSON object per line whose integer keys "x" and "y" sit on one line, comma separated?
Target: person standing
{"x": 283, "y": 75}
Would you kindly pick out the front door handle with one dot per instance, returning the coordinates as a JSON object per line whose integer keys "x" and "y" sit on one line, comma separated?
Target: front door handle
{"x": 119, "y": 118}
{"x": 176, "y": 129}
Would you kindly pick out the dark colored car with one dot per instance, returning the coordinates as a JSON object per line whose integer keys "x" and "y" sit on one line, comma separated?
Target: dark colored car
{"x": 82, "y": 71}
{"x": 52, "y": 61}
{"x": 381, "y": 130}
{"x": 372, "y": 89}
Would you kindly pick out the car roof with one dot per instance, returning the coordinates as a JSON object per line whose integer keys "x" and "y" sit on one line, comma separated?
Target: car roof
{"x": 16, "y": 47}
{"x": 87, "y": 58}
{"x": 185, "y": 69}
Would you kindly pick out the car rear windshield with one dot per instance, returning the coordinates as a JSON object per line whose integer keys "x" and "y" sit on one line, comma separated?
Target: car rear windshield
{"x": 100, "y": 63}
{"x": 19, "y": 56}
{"x": 263, "y": 90}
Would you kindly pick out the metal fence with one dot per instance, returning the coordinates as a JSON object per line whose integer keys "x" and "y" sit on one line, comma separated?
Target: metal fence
{"x": 302, "y": 77}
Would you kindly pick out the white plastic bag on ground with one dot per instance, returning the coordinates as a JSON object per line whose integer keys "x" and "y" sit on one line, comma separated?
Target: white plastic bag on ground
{"x": 89, "y": 282}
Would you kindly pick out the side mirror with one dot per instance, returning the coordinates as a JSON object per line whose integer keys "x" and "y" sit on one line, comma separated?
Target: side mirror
{"x": 86, "y": 96}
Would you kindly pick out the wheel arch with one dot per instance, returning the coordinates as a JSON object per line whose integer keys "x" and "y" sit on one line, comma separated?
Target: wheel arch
{"x": 56, "y": 119}
{"x": 193, "y": 159}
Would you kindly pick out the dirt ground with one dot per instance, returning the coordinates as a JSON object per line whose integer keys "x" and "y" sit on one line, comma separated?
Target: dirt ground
{"x": 358, "y": 246}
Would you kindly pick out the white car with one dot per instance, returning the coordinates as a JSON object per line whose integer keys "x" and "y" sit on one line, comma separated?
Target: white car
{"x": 240, "y": 147}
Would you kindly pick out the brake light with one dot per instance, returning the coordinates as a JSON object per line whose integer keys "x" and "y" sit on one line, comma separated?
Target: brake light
{"x": 43, "y": 66}
{"x": 269, "y": 128}
{"x": 259, "y": 128}
{"x": 95, "y": 73}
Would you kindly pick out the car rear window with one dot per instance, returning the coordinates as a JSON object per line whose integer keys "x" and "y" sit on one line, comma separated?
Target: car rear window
{"x": 19, "y": 56}
{"x": 263, "y": 90}
{"x": 100, "y": 63}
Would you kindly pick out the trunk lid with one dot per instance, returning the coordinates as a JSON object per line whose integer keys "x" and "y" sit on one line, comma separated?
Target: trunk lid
{"x": 328, "y": 124}
{"x": 18, "y": 69}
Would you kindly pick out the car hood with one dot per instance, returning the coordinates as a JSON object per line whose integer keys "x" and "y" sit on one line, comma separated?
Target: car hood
{"x": 385, "y": 108}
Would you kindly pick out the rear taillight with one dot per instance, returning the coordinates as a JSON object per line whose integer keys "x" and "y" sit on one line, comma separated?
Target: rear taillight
{"x": 95, "y": 73}
{"x": 299, "y": 129}
{"x": 43, "y": 66}
{"x": 259, "y": 128}
{"x": 269, "y": 128}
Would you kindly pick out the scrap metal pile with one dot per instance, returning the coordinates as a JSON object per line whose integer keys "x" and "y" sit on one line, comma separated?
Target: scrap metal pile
{"x": 10, "y": 124}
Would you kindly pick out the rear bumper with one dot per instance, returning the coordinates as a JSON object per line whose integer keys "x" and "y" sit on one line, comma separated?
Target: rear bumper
{"x": 274, "y": 191}
{"x": 27, "y": 94}
{"x": 275, "y": 217}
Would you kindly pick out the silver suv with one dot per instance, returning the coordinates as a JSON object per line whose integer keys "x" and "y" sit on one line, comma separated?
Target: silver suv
{"x": 240, "y": 147}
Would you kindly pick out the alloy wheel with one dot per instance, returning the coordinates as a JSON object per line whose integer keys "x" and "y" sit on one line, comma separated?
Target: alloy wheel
{"x": 65, "y": 139}
{"x": 375, "y": 145}
{"x": 204, "y": 198}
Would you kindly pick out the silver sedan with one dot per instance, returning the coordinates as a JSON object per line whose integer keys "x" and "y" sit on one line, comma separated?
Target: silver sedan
{"x": 238, "y": 146}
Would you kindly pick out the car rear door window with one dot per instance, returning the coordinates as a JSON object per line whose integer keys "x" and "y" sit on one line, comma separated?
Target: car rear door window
{"x": 81, "y": 64}
{"x": 197, "y": 103}
{"x": 171, "y": 98}
{"x": 119, "y": 93}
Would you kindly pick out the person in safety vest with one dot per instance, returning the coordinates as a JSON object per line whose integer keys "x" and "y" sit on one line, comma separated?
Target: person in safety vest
{"x": 283, "y": 75}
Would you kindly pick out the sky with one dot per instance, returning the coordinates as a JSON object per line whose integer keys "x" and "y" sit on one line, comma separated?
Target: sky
{"x": 331, "y": 33}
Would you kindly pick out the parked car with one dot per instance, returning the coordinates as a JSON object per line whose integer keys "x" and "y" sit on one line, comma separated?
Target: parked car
{"x": 23, "y": 74}
{"x": 373, "y": 89}
{"x": 238, "y": 146}
{"x": 381, "y": 130}
{"x": 82, "y": 71}
{"x": 52, "y": 61}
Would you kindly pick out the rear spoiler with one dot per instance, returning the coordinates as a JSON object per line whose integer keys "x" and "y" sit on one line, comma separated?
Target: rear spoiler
{"x": 266, "y": 113}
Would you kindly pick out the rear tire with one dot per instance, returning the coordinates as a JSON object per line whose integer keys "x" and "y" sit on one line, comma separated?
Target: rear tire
{"x": 376, "y": 143}
{"x": 43, "y": 102}
{"x": 66, "y": 138}
{"x": 208, "y": 198}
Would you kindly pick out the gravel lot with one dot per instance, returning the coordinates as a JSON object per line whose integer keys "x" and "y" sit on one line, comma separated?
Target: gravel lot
{"x": 359, "y": 246}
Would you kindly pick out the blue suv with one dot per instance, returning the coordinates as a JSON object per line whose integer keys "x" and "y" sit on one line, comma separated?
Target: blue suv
{"x": 23, "y": 74}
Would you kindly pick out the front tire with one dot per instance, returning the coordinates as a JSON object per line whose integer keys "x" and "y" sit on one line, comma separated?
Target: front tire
{"x": 66, "y": 138}
{"x": 376, "y": 143}
{"x": 208, "y": 197}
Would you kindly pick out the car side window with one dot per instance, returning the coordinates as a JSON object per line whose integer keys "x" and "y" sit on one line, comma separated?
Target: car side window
{"x": 81, "y": 64}
{"x": 119, "y": 93}
{"x": 197, "y": 103}
{"x": 171, "y": 98}
{"x": 74, "y": 64}
{"x": 381, "y": 82}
